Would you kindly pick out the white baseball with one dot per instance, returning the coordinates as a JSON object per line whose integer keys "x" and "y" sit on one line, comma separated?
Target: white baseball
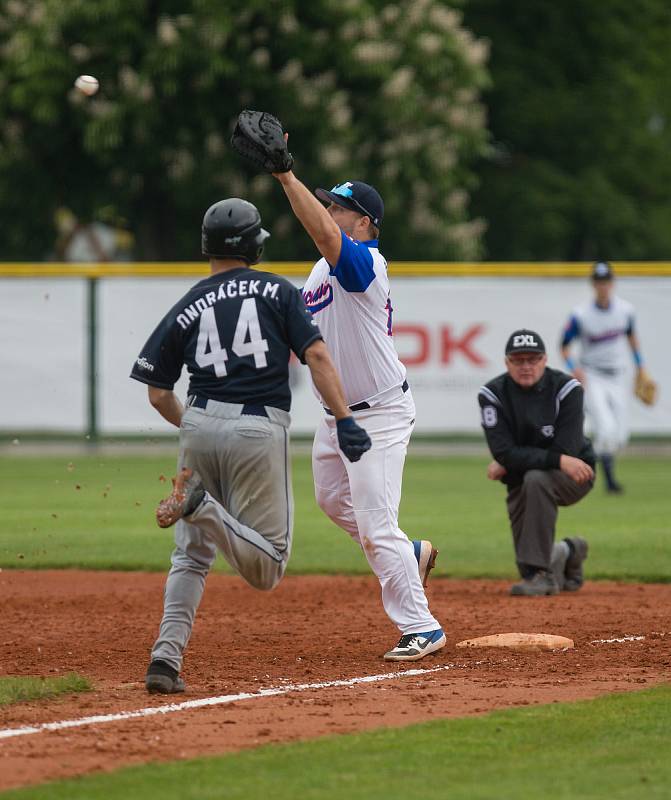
{"x": 87, "y": 84}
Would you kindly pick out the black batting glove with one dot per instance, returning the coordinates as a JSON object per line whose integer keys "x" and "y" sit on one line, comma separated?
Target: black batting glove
{"x": 352, "y": 438}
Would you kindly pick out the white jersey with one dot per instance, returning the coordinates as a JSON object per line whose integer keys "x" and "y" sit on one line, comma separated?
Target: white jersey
{"x": 352, "y": 306}
{"x": 602, "y": 333}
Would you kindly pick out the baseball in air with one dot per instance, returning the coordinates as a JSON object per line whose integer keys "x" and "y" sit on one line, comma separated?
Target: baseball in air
{"x": 87, "y": 84}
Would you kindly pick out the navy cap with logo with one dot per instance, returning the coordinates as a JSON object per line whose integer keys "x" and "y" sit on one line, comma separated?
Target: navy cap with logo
{"x": 524, "y": 341}
{"x": 602, "y": 271}
{"x": 357, "y": 196}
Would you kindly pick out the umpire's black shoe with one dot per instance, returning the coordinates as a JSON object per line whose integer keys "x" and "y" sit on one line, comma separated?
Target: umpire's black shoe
{"x": 187, "y": 494}
{"x": 573, "y": 576}
{"x": 560, "y": 553}
{"x": 161, "y": 678}
{"x": 540, "y": 584}
{"x": 614, "y": 488}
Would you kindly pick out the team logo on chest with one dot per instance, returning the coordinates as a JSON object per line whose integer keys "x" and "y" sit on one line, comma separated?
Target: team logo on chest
{"x": 318, "y": 299}
{"x": 548, "y": 431}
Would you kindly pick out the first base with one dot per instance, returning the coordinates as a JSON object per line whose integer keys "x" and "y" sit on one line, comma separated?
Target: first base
{"x": 520, "y": 641}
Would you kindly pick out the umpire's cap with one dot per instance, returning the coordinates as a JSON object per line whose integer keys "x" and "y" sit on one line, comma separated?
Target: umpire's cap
{"x": 524, "y": 341}
{"x": 232, "y": 229}
{"x": 602, "y": 271}
{"x": 357, "y": 196}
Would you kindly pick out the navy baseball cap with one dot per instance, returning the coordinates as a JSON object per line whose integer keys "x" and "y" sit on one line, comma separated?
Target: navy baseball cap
{"x": 357, "y": 196}
{"x": 602, "y": 271}
{"x": 524, "y": 341}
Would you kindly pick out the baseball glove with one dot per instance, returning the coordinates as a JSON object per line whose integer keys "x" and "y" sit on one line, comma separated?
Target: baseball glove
{"x": 259, "y": 137}
{"x": 645, "y": 388}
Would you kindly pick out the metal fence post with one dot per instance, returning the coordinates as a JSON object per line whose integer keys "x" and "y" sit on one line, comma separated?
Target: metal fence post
{"x": 92, "y": 358}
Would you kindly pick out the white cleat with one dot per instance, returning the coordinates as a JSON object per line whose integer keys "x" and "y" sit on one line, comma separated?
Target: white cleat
{"x": 413, "y": 646}
{"x": 426, "y": 555}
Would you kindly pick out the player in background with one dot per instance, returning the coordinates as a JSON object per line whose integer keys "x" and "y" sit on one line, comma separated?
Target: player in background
{"x": 605, "y": 329}
{"x": 348, "y": 295}
{"x": 234, "y": 331}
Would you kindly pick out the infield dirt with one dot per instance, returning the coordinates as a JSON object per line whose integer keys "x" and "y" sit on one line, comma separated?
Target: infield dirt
{"x": 309, "y": 629}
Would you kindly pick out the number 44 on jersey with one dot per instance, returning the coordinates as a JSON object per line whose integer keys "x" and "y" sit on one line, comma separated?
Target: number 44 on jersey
{"x": 247, "y": 340}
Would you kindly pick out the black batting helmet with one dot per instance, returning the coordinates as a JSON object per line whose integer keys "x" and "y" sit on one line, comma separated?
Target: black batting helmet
{"x": 232, "y": 229}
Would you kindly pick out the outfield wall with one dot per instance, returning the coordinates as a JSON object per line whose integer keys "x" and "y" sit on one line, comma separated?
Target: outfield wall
{"x": 449, "y": 330}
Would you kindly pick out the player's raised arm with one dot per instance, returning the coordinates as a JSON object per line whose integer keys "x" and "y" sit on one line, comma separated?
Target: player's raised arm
{"x": 313, "y": 216}
{"x": 260, "y": 139}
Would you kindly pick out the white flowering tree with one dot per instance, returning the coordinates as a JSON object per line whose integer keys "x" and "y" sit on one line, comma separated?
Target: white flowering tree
{"x": 381, "y": 92}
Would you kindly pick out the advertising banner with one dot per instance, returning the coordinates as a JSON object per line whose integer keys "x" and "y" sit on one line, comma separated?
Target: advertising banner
{"x": 449, "y": 331}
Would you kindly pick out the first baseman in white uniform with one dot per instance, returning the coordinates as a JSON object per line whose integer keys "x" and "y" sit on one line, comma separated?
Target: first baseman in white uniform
{"x": 605, "y": 329}
{"x": 348, "y": 295}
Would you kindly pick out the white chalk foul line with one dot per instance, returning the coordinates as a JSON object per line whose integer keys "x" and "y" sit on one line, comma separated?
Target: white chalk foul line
{"x": 172, "y": 708}
{"x": 617, "y": 641}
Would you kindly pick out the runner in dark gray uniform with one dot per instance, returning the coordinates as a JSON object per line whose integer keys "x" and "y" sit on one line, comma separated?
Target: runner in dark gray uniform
{"x": 234, "y": 331}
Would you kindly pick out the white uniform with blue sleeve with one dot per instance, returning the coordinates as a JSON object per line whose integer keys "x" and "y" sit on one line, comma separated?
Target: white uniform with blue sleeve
{"x": 605, "y": 356}
{"x": 351, "y": 304}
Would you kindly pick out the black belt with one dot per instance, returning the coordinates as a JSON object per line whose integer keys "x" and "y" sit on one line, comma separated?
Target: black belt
{"x": 248, "y": 409}
{"x": 363, "y": 406}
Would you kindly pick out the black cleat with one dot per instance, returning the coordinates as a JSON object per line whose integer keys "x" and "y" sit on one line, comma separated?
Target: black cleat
{"x": 573, "y": 574}
{"x": 541, "y": 584}
{"x": 161, "y": 678}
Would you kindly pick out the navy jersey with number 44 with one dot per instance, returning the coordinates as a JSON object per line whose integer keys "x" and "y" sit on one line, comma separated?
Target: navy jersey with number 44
{"x": 234, "y": 332}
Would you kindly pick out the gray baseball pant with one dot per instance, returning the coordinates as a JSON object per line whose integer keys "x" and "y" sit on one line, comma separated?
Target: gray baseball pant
{"x": 533, "y": 508}
{"x": 247, "y": 512}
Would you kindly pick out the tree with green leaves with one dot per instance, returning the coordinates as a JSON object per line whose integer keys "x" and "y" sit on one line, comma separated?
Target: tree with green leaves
{"x": 386, "y": 93}
{"x": 580, "y": 115}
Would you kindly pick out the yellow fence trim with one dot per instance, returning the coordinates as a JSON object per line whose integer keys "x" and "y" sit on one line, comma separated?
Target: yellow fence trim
{"x": 485, "y": 269}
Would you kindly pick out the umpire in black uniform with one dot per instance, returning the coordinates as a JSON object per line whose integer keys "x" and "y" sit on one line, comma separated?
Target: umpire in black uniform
{"x": 533, "y": 420}
{"x": 234, "y": 331}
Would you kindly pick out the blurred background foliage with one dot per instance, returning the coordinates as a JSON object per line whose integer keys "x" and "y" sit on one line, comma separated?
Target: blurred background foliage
{"x": 369, "y": 90}
{"x": 508, "y": 130}
{"x": 580, "y": 116}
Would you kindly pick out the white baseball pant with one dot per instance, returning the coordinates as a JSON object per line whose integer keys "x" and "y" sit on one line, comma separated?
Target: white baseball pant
{"x": 607, "y": 410}
{"x": 363, "y": 499}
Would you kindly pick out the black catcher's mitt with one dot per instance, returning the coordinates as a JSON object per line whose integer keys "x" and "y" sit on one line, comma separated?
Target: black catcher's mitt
{"x": 259, "y": 137}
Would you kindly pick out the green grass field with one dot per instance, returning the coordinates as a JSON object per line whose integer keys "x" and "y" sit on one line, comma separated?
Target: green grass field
{"x": 21, "y": 689}
{"x": 614, "y": 747}
{"x": 98, "y": 513}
